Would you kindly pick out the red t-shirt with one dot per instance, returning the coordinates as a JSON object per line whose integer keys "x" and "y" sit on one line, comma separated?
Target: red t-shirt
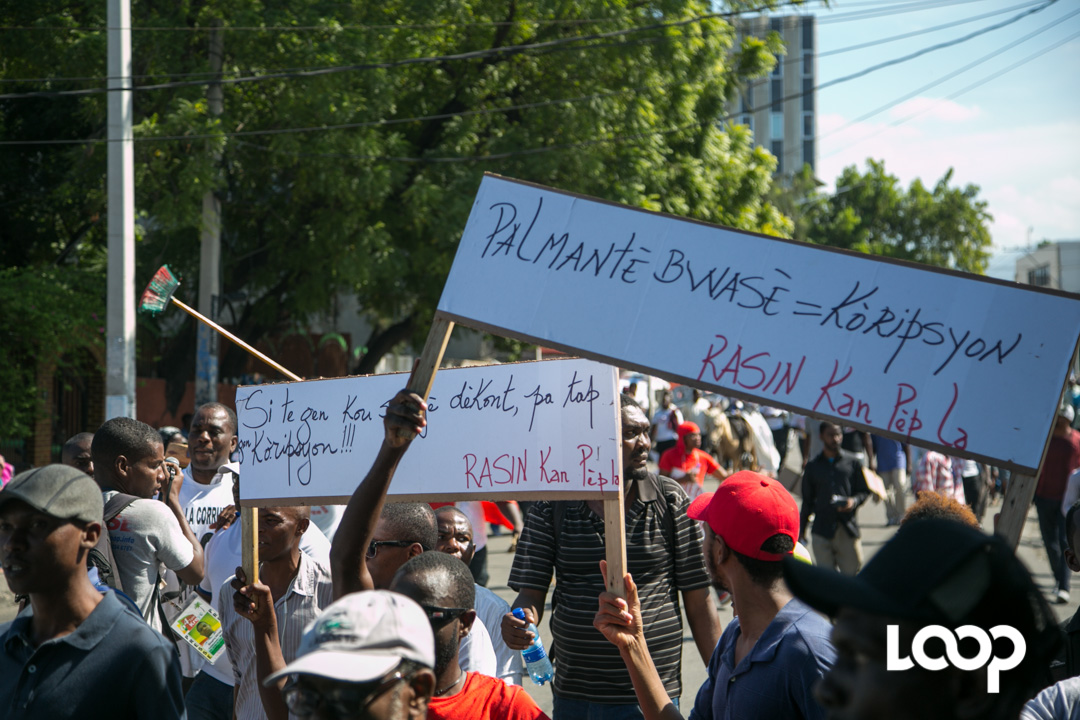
{"x": 485, "y": 697}
{"x": 697, "y": 464}
{"x": 1062, "y": 457}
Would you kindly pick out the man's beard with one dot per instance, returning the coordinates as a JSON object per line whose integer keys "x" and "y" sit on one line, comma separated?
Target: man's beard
{"x": 637, "y": 474}
{"x": 444, "y": 655}
{"x": 714, "y": 577}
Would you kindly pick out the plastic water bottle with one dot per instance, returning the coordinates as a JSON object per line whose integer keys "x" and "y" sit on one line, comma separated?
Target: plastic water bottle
{"x": 536, "y": 660}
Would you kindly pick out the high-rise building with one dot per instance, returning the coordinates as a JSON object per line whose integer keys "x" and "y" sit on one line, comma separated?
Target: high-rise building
{"x": 781, "y": 109}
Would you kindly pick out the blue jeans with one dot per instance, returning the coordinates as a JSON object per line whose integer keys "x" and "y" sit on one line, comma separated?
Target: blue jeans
{"x": 570, "y": 709}
{"x": 209, "y": 699}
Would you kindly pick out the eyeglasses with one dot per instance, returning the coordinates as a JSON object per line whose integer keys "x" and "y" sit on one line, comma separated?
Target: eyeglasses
{"x": 374, "y": 545}
{"x": 336, "y": 699}
{"x": 439, "y": 616}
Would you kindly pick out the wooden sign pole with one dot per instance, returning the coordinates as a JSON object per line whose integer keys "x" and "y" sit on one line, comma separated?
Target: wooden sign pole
{"x": 1009, "y": 524}
{"x": 249, "y": 543}
{"x": 615, "y": 525}
{"x": 1014, "y": 508}
{"x": 423, "y": 374}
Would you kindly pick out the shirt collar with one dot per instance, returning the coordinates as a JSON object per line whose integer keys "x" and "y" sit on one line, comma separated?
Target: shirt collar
{"x": 766, "y": 646}
{"x": 92, "y": 630}
{"x": 229, "y": 467}
{"x": 306, "y": 581}
{"x": 646, "y": 489}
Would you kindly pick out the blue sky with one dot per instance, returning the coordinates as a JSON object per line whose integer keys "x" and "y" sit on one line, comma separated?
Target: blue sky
{"x": 1017, "y": 136}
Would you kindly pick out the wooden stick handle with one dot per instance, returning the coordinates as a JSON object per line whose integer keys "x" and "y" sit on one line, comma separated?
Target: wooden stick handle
{"x": 615, "y": 543}
{"x": 199, "y": 316}
{"x": 249, "y": 543}
{"x": 615, "y": 518}
{"x": 1014, "y": 508}
{"x": 423, "y": 374}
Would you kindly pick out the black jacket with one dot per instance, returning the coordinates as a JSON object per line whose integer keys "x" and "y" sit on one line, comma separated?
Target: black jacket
{"x": 825, "y": 478}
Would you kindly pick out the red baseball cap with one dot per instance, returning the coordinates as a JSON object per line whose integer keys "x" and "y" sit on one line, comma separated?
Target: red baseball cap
{"x": 747, "y": 510}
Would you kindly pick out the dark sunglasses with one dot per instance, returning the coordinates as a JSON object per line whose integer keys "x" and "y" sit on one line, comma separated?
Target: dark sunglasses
{"x": 438, "y": 616}
{"x": 341, "y": 699}
{"x": 374, "y": 545}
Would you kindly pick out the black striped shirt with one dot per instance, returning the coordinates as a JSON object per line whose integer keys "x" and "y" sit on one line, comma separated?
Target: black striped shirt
{"x": 588, "y": 667}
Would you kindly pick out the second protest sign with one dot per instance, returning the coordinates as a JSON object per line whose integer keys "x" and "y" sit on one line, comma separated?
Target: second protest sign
{"x": 518, "y": 431}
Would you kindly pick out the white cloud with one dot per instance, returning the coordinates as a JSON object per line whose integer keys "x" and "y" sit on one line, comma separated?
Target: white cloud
{"x": 935, "y": 109}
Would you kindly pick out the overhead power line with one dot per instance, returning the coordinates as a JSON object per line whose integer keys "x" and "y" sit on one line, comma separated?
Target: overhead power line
{"x": 923, "y": 51}
{"x": 939, "y": 46}
{"x": 386, "y": 26}
{"x": 208, "y": 77}
{"x": 948, "y": 76}
{"x": 279, "y": 131}
{"x": 926, "y": 31}
{"x": 879, "y": 10}
{"x": 966, "y": 89}
{"x": 380, "y": 65}
{"x": 530, "y": 151}
{"x": 343, "y": 126}
{"x": 212, "y": 77}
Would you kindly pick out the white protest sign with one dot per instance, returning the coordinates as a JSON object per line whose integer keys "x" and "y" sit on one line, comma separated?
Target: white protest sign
{"x": 965, "y": 364}
{"x": 537, "y": 429}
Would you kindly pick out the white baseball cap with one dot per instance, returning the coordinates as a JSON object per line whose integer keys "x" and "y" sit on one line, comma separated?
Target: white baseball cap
{"x": 362, "y": 637}
{"x": 1067, "y": 412}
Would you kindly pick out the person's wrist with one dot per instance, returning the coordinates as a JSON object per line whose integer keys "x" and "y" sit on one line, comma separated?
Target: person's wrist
{"x": 635, "y": 646}
{"x": 267, "y": 624}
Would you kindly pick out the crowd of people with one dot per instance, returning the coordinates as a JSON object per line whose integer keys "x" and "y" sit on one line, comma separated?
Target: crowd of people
{"x": 384, "y": 615}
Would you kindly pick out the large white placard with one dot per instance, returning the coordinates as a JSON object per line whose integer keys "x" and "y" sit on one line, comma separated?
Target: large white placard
{"x": 969, "y": 365}
{"x": 494, "y": 432}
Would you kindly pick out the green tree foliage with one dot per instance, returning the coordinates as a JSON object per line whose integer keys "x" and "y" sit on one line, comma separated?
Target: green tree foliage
{"x": 614, "y": 99}
{"x": 47, "y": 316}
{"x": 871, "y": 212}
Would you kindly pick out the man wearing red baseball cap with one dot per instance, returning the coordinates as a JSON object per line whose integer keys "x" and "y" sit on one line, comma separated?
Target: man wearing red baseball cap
{"x": 772, "y": 654}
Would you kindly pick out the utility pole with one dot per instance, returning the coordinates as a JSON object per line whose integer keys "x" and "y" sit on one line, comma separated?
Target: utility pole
{"x": 120, "y": 321}
{"x": 206, "y": 356}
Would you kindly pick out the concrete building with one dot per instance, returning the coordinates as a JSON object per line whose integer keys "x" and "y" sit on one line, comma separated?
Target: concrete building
{"x": 1053, "y": 265}
{"x": 781, "y": 109}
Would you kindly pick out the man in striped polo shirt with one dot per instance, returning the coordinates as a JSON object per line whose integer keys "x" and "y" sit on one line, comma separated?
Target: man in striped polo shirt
{"x": 663, "y": 551}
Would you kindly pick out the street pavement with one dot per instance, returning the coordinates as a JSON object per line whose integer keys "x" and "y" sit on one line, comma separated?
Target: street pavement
{"x": 875, "y": 534}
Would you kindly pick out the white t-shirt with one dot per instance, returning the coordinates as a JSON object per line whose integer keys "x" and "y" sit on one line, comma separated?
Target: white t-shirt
{"x": 764, "y": 447}
{"x": 327, "y": 517}
{"x": 1060, "y": 701}
{"x": 145, "y": 536}
{"x": 509, "y": 666}
{"x": 667, "y": 426}
{"x": 223, "y": 555}
{"x": 203, "y": 503}
{"x": 476, "y": 653}
{"x": 1072, "y": 491}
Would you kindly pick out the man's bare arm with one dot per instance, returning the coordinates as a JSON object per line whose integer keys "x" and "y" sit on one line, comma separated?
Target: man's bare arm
{"x": 255, "y": 603}
{"x": 515, "y": 632}
{"x": 348, "y": 552}
{"x": 704, "y": 622}
{"x": 193, "y": 573}
{"x": 620, "y": 622}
